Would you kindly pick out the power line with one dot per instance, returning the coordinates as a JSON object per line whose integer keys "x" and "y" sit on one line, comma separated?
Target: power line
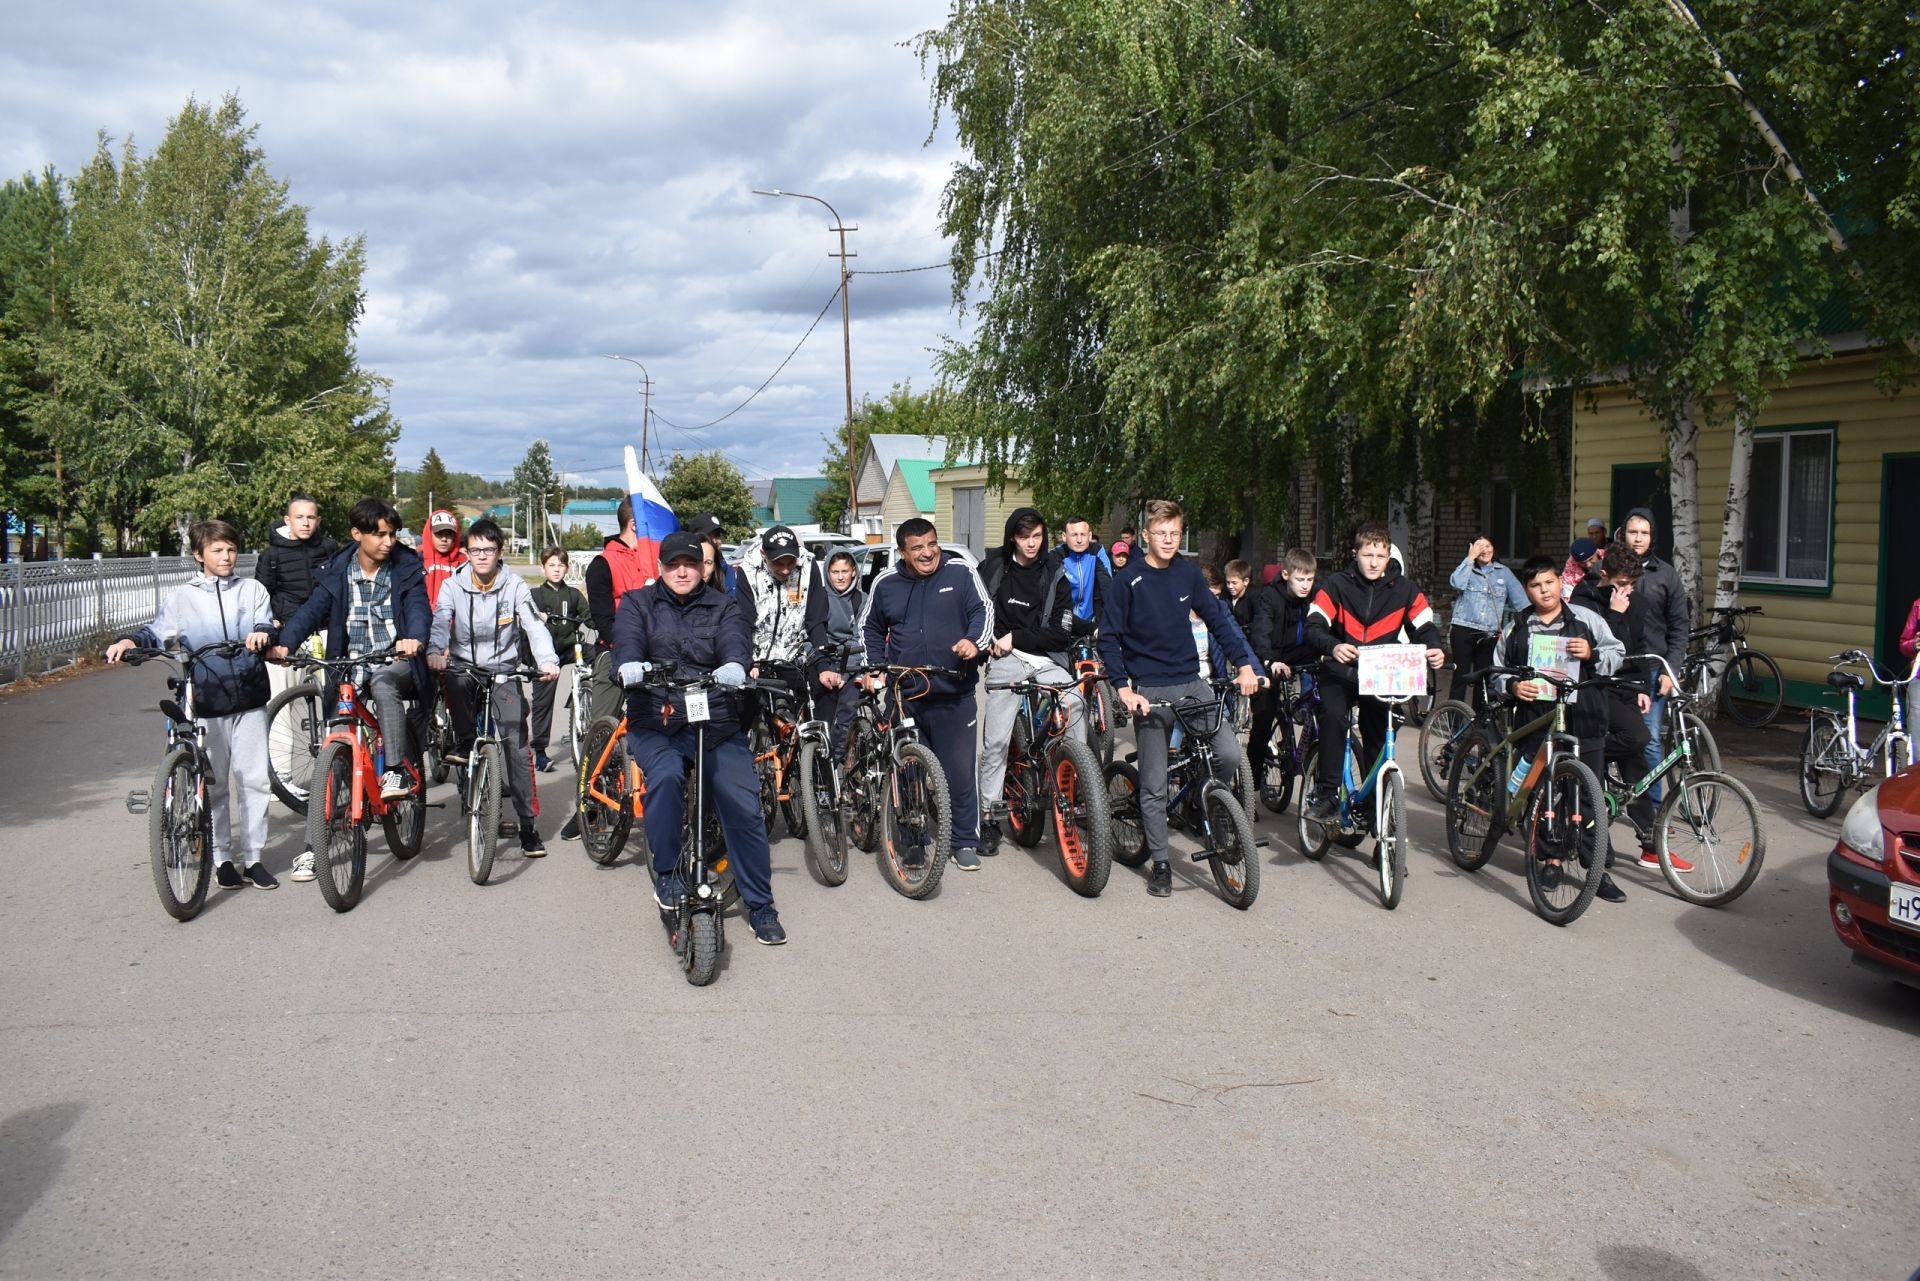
{"x": 831, "y": 299}
{"x": 937, "y": 266}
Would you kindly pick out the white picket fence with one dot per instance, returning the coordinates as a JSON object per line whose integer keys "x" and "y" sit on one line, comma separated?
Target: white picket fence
{"x": 53, "y": 611}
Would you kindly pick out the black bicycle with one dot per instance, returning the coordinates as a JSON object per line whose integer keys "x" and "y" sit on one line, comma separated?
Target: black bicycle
{"x": 179, "y": 820}
{"x": 895, "y": 795}
{"x": 1751, "y": 690}
{"x": 482, "y": 780}
{"x": 1053, "y": 774}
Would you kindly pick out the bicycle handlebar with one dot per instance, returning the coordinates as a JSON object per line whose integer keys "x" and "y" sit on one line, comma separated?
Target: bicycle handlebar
{"x": 299, "y": 659}
{"x": 181, "y": 656}
{"x": 1859, "y": 657}
{"x": 470, "y": 668}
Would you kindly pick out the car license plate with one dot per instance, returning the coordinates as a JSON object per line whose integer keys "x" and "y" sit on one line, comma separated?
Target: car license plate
{"x": 1903, "y": 906}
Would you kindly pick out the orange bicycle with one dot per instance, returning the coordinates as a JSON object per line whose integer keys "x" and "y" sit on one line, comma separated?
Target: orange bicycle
{"x": 1096, "y": 696}
{"x": 612, "y": 795}
{"x": 343, "y": 797}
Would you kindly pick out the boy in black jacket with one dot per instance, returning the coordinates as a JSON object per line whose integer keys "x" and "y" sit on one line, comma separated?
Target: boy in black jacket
{"x": 563, "y": 608}
{"x": 1279, "y": 636}
{"x": 1368, "y": 603}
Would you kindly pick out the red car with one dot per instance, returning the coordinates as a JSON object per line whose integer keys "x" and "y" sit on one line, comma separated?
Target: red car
{"x": 1873, "y": 879}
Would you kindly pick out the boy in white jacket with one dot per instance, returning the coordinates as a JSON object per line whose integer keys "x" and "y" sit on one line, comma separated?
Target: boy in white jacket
{"x": 230, "y": 694}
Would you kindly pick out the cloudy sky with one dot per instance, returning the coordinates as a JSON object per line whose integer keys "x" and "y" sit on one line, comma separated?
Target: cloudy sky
{"x": 543, "y": 184}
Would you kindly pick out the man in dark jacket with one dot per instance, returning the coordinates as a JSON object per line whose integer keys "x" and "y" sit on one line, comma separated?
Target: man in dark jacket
{"x": 290, "y": 565}
{"x": 563, "y": 608}
{"x": 1368, "y": 603}
{"x": 1279, "y": 638}
{"x": 929, "y": 609}
{"x": 370, "y": 596}
{"x": 1034, "y": 622}
{"x": 1667, "y": 617}
{"x": 680, "y": 619}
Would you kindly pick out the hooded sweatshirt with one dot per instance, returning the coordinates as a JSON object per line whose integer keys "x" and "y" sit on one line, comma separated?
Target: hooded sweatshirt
{"x": 203, "y": 611}
{"x": 833, "y": 617}
{"x": 484, "y": 625}
{"x": 290, "y": 567}
{"x": 1032, "y": 603}
{"x": 440, "y": 568}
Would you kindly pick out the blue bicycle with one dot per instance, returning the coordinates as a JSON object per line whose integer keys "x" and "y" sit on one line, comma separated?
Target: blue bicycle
{"x": 1375, "y": 805}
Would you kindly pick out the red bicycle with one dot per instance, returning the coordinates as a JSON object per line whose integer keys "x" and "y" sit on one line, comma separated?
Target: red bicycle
{"x": 1096, "y": 696}
{"x": 344, "y": 798}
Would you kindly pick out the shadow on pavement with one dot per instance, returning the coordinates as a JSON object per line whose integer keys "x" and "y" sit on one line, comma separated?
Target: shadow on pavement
{"x": 31, "y": 1157}
{"x": 1645, "y": 1263}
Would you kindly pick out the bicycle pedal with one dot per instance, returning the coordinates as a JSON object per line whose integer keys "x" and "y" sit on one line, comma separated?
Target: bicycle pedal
{"x": 139, "y": 801}
{"x": 1262, "y": 842}
{"x": 433, "y": 805}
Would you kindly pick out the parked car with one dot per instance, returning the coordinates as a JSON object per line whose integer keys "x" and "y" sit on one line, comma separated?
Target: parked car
{"x": 821, "y": 545}
{"x": 871, "y": 558}
{"x": 1873, "y": 879}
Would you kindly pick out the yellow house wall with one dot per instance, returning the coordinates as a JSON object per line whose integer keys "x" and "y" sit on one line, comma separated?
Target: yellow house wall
{"x": 1799, "y": 631}
{"x": 898, "y": 507}
{"x": 999, "y": 503}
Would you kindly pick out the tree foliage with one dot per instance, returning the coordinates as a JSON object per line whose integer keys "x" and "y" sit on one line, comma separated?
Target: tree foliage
{"x": 432, "y": 487}
{"x": 191, "y": 352}
{"x": 709, "y": 482}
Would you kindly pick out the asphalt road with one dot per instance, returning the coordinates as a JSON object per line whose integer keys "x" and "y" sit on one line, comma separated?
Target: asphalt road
{"x": 1005, "y": 1081}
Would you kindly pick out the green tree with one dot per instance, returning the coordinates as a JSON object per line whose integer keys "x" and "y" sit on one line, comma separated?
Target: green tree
{"x": 535, "y": 481}
{"x": 35, "y": 279}
{"x": 431, "y": 488}
{"x": 903, "y": 412}
{"x": 709, "y": 482}
{"x": 209, "y": 364}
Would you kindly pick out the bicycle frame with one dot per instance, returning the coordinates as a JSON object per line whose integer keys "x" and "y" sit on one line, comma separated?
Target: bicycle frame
{"x": 350, "y": 722}
{"x": 1388, "y": 760}
{"x": 1859, "y": 761}
{"x": 636, "y": 784}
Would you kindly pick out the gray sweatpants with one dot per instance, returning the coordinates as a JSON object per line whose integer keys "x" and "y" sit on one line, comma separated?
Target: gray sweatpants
{"x": 1003, "y": 706}
{"x": 1150, "y": 734}
{"x": 237, "y": 748}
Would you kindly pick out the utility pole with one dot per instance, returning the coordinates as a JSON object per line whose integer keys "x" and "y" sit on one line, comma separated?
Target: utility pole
{"x": 846, "y": 340}
{"x": 646, "y": 407}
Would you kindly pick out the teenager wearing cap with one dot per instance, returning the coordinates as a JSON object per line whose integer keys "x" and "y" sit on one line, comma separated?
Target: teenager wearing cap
{"x": 1583, "y": 563}
{"x": 680, "y": 619}
{"x": 444, "y": 552}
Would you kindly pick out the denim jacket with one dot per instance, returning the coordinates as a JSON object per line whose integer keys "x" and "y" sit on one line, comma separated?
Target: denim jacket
{"x": 1486, "y": 592}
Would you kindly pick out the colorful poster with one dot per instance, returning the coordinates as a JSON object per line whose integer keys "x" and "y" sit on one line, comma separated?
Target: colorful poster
{"x": 1547, "y": 652}
{"x": 1393, "y": 671}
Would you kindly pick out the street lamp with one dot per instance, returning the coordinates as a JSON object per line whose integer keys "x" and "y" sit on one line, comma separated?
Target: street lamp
{"x": 646, "y": 404}
{"x": 846, "y": 339}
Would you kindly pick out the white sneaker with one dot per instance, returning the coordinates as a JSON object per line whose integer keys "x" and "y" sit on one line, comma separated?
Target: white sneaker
{"x": 303, "y": 866}
{"x": 393, "y": 785}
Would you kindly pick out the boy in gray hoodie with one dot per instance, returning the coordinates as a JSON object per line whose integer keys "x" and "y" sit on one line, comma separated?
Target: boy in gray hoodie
{"x": 229, "y": 694}
{"x": 482, "y": 613}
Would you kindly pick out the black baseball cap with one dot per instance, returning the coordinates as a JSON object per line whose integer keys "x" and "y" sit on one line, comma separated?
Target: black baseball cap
{"x": 703, "y": 524}
{"x": 778, "y": 542}
{"x": 680, "y": 544}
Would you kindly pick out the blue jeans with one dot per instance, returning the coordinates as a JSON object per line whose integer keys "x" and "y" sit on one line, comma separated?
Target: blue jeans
{"x": 732, "y": 787}
{"x": 1655, "y": 714}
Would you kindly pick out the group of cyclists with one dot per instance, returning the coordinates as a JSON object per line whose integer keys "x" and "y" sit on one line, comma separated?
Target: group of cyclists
{"x": 1167, "y": 629}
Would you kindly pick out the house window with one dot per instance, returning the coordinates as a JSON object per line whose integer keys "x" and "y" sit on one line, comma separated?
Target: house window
{"x": 1503, "y": 519}
{"x": 1790, "y": 509}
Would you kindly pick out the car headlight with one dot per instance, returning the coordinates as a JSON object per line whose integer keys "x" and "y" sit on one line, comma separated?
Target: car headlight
{"x": 1862, "y": 832}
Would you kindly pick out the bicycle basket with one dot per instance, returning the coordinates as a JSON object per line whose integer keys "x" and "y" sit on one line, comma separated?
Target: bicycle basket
{"x": 1200, "y": 717}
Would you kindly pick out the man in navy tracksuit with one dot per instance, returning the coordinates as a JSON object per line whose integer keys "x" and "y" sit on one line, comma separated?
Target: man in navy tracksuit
{"x": 930, "y": 609}
{"x": 1146, "y": 640}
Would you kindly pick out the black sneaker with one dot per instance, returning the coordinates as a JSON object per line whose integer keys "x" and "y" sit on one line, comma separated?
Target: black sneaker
{"x": 913, "y": 854}
{"x": 530, "y": 843}
{"x": 669, "y": 893}
{"x": 261, "y": 877}
{"x": 967, "y": 860}
{"x": 571, "y": 832}
{"x": 765, "y": 923}
{"x": 542, "y": 763}
{"x": 1323, "y": 805}
{"x": 228, "y": 876}
{"x": 1160, "y": 880}
{"x": 1609, "y": 891}
{"x": 989, "y": 837}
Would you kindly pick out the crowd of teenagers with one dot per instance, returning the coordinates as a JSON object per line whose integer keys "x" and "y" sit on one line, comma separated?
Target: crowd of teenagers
{"x": 1164, "y": 625}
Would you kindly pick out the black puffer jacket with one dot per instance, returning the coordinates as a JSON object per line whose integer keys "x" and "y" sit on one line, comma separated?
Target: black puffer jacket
{"x": 290, "y": 567}
{"x": 699, "y": 633}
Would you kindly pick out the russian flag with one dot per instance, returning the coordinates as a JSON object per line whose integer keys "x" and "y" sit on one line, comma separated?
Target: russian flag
{"x": 652, "y": 518}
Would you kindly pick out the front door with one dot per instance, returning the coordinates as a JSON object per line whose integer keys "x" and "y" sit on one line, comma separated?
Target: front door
{"x": 1899, "y": 552}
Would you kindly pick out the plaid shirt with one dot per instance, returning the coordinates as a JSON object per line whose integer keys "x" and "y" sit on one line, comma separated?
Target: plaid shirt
{"x": 370, "y": 623}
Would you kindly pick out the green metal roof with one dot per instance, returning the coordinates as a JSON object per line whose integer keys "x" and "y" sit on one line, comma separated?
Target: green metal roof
{"x": 793, "y": 497}
{"x": 591, "y": 507}
{"x": 919, "y": 476}
{"x": 762, "y": 516}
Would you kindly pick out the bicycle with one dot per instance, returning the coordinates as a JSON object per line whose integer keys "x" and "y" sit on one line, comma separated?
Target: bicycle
{"x": 779, "y": 732}
{"x": 1751, "y": 693}
{"x": 1832, "y": 759}
{"x": 1053, "y": 772}
{"x": 346, "y": 776}
{"x": 180, "y": 828}
{"x": 610, "y": 796}
{"x": 1197, "y": 802}
{"x": 579, "y": 694}
{"x": 1491, "y": 790}
{"x": 1712, "y": 816}
{"x": 1386, "y": 821}
{"x": 895, "y": 794}
{"x": 1446, "y": 727}
{"x": 1096, "y": 695}
{"x": 1296, "y": 731}
{"x": 695, "y": 925}
{"x": 820, "y": 789}
{"x": 481, "y": 782}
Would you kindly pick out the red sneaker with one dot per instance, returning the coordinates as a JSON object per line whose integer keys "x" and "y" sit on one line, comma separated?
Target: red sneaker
{"x": 1649, "y": 859}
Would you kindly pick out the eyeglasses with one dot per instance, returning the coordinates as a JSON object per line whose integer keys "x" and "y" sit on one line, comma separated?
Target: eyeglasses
{"x": 476, "y": 553}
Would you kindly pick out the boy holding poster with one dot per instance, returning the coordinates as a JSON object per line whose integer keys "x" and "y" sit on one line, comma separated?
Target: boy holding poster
{"x": 1552, "y": 635}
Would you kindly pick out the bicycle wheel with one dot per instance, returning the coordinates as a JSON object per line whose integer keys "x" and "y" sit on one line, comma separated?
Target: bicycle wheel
{"x": 1821, "y": 779}
{"x": 577, "y": 722}
{"x": 1439, "y": 740}
{"x": 338, "y": 843}
{"x": 1752, "y": 692}
{"x": 1123, "y": 814}
{"x": 1024, "y": 790}
{"x": 917, "y": 816}
{"x": 1711, "y": 823}
{"x": 1100, "y": 720}
{"x": 405, "y": 822}
{"x": 1390, "y": 842}
{"x": 1313, "y": 834}
{"x": 296, "y": 722}
{"x": 1081, "y": 828}
{"x": 485, "y": 777}
{"x": 439, "y": 739}
{"x": 1566, "y": 833}
{"x": 765, "y": 765}
{"x": 820, "y": 808}
{"x": 1231, "y": 852}
{"x": 864, "y": 778}
{"x": 1706, "y": 752}
{"x": 1900, "y": 753}
{"x": 1476, "y": 801}
{"x": 179, "y": 836}
{"x": 703, "y": 948}
{"x": 604, "y": 824}
{"x": 1246, "y": 788}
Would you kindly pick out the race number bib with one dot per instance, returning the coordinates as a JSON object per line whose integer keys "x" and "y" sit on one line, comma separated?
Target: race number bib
{"x": 1393, "y": 671}
{"x": 696, "y": 706}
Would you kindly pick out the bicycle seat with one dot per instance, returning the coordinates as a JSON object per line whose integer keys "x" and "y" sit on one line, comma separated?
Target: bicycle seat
{"x": 1846, "y": 680}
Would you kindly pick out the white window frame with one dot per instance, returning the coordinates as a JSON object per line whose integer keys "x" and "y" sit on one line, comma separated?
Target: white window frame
{"x": 1782, "y": 498}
